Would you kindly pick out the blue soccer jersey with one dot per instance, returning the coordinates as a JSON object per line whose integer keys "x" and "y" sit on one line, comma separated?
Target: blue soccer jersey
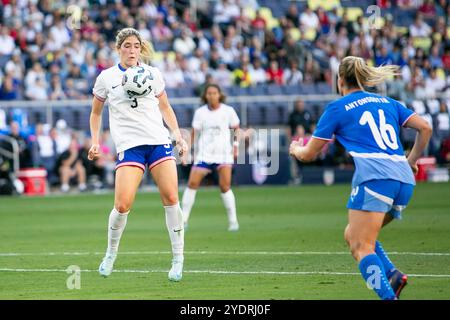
{"x": 368, "y": 126}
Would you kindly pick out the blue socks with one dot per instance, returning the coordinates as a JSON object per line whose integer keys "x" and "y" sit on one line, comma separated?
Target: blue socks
{"x": 372, "y": 270}
{"x": 387, "y": 263}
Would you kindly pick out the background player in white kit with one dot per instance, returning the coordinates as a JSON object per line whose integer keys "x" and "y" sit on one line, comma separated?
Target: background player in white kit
{"x": 141, "y": 141}
{"x": 212, "y": 125}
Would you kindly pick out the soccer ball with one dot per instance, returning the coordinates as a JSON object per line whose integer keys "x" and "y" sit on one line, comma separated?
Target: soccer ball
{"x": 137, "y": 81}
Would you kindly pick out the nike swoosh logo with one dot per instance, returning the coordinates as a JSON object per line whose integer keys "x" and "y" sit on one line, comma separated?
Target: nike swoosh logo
{"x": 114, "y": 229}
{"x": 177, "y": 230}
{"x": 115, "y": 86}
{"x": 168, "y": 152}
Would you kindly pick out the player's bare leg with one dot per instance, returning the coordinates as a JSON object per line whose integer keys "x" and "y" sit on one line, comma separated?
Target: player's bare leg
{"x": 361, "y": 234}
{"x": 128, "y": 179}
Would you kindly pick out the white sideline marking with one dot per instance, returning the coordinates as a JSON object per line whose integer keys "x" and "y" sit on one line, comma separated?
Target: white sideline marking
{"x": 227, "y": 272}
{"x": 268, "y": 253}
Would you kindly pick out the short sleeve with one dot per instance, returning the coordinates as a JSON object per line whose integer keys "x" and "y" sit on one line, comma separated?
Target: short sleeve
{"x": 404, "y": 114}
{"x": 233, "y": 118}
{"x": 99, "y": 90}
{"x": 159, "y": 84}
{"x": 196, "y": 121}
{"x": 327, "y": 125}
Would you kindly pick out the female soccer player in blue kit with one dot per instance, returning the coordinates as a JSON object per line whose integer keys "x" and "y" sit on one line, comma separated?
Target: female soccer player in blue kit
{"x": 368, "y": 126}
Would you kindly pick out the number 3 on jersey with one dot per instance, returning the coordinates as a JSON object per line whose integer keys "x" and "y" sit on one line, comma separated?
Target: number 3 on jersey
{"x": 134, "y": 103}
{"x": 384, "y": 134}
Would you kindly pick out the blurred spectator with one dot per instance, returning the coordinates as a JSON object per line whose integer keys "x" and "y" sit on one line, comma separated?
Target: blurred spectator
{"x": 36, "y": 83}
{"x": 309, "y": 20}
{"x": 7, "y": 45}
{"x": 443, "y": 121}
{"x": 434, "y": 84}
{"x": 257, "y": 73}
{"x": 24, "y": 150}
{"x": 222, "y": 75}
{"x": 9, "y": 89}
{"x": 299, "y": 117}
{"x": 69, "y": 166}
{"x": 292, "y": 75}
{"x": 274, "y": 73}
{"x": 297, "y": 166}
{"x": 428, "y": 9}
{"x": 225, "y": 12}
{"x": 241, "y": 76}
{"x": 160, "y": 32}
{"x": 63, "y": 136}
{"x": 46, "y": 148}
{"x": 419, "y": 28}
{"x": 184, "y": 44}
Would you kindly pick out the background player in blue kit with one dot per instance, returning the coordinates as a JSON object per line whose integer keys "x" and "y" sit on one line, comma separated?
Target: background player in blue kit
{"x": 368, "y": 126}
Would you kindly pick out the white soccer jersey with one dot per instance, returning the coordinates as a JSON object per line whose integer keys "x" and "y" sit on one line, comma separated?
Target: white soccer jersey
{"x": 136, "y": 121}
{"x": 214, "y": 143}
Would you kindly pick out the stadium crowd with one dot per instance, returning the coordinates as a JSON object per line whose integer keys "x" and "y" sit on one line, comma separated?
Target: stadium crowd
{"x": 54, "y": 50}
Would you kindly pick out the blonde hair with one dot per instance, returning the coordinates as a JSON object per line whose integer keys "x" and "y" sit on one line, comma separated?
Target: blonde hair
{"x": 146, "y": 47}
{"x": 356, "y": 73}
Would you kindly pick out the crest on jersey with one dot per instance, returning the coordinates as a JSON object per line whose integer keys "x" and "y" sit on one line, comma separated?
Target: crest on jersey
{"x": 121, "y": 155}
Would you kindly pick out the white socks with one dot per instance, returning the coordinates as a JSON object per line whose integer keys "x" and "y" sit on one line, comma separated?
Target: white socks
{"x": 230, "y": 204}
{"x": 188, "y": 202}
{"x": 174, "y": 223}
{"x": 116, "y": 225}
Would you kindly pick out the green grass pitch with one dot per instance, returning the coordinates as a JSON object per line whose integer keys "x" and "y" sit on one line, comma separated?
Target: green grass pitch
{"x": 290, "y": 246}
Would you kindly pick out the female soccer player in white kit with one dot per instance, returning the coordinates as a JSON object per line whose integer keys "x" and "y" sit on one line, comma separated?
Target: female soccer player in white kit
{"x": 141, "y": 141}
{"x": 368, "y": 126}
{"x": 212, "y": 123}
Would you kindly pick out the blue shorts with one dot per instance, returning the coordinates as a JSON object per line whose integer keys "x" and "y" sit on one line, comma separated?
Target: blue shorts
{"x": 145, "y": 155}
{"x": 210, "y": 166}
{"x": 388, "y": 196}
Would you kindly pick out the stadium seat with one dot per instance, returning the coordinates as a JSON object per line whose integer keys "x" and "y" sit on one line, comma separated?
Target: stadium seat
{"x": 255, "y": 115}
{"x": 310, "y": 34}
{"x": 433, "y": 106}
{"x": 291, "y": 90}
{"x": 308, "y": 88}
{"x": 352, "y": 13}
{"x": 258, "y": 90}
{"x": 271, "y": 22}
{"x": 326, "y": 4}
{"x": 323, "y": 88}
{"x": 422, "y": 42}
{"x": 184, "y": 92}
{"x": 295, "y": 33}
{"x": 440, "y": 73}
{"x": 273, "y": 89}
{"x": 249, "y": 12}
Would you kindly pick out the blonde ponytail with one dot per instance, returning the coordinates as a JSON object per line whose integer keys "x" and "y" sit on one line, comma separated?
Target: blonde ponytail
{"x": 356, "y": 73}
{"x": 146, "y": 51}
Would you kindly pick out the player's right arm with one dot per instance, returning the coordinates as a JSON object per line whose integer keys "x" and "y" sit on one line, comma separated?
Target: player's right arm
{"x": 100, "y": 95}
{"x": 95, "y": 123}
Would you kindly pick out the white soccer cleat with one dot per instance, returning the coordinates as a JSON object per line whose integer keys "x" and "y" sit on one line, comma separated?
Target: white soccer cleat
{"x": 176, "y": 272}
{"x": 106, "y": 267}
{"x": 234, "y": 226}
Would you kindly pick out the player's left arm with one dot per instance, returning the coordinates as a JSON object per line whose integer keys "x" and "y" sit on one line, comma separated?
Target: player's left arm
{"x": 309, "y": 152}
{"x": 236, "y": 139}
{"x": 171, "y": 120}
